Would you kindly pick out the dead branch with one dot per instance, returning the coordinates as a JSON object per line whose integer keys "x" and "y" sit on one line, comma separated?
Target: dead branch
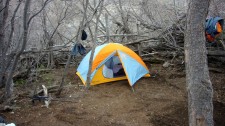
{"x": 50, "y": 89}
{"x": 216, "y": 53}
{"x": 143, "y": 40}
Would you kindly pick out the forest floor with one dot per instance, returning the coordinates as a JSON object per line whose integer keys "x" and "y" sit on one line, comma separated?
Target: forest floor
{"x": 155, "y": 101}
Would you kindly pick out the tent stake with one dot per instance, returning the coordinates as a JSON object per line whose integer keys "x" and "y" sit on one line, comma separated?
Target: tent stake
{"x": 132, "y": 88}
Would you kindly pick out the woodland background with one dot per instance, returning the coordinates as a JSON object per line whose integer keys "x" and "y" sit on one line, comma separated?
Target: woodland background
{"x": 37, "y": 36}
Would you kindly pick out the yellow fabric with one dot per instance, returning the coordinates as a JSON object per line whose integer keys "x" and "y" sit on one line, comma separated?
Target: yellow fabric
{"x": 80, "y": 77}
{"x": 99, "y": 78}
{"x": 111, "y": 47}
{"x": 147, "y": 75}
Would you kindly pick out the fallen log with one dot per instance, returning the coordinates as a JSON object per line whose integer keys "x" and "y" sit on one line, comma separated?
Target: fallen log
{"x": 154, "y": 60}
{"x": 216, "y": 70}
{"x": 216, "y": 59}
{"x": 24, "y": 73}
{"x": 142, "y": 40}
{"x": 149, "y": 54}
{"x": 216, "y": 53}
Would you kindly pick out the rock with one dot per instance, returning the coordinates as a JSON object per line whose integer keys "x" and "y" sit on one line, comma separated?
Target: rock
{"x": 166, "y": 64}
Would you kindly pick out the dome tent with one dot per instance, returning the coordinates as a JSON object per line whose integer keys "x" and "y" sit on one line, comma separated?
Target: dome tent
{"x": 113, "y": 62}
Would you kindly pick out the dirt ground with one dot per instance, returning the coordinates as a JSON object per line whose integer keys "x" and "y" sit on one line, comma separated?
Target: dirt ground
{"x": 155, "y": 101}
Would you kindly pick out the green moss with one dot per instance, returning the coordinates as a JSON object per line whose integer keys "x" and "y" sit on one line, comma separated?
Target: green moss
{"x": 20, "y": 82}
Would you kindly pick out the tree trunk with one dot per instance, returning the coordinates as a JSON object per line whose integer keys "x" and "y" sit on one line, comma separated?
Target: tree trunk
{"x": 199, "y": 86}
{"x": 2, "y": 36}
{"x": 217, "y": 8}
{"x": 3, "y": 17}
{"x": 94, "y": 39}
{"x": 107, "y": 28}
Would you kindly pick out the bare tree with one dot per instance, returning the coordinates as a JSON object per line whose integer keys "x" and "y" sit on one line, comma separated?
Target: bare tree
{"x": 83, "y": 24}
{"x": 77, "y": 37}
{"x": 49, "y": 36}
{"x": 94, "y": 39}
{"x": 19, "y": 49}
{"x": 199, "y": 86}
{"x": 4, "y": 7}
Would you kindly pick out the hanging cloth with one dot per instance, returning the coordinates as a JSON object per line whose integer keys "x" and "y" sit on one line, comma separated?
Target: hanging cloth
{"x": 78, "y": 48}
{"x": 213, "y": 27}
{"x": 83, "y": 35}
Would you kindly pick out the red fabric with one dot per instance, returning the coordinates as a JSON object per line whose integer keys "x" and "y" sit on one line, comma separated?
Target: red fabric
{"x": 209, "y": 37}
{"x": 219, "y": 30}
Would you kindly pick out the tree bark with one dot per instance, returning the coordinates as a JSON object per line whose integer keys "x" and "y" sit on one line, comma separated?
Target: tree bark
{"x": 217, "y": 8}
{"x": 3, "y": 18}
{"x": 107, "y": 27}
{"x": 199, "y": 86}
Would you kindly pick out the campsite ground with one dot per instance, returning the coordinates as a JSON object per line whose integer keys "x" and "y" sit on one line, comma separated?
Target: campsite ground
{"x": 155, "y": 101}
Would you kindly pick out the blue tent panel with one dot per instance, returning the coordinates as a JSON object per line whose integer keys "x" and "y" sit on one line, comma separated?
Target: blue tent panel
{"x": 84, "y": 64}
{"x": 134, "y": 70}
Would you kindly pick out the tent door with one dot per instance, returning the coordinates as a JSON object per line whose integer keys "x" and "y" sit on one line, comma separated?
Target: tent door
{"x": 113, "y": 68}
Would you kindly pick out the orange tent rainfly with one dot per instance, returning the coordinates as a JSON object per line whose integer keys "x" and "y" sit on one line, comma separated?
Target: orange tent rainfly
{"x": 113, "y": 62}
